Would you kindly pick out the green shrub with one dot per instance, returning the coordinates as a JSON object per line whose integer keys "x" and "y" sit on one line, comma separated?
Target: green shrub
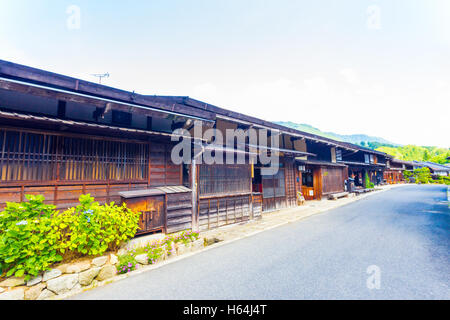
{"x": 155, "y": 251}
{"x": 442, "y": 180}
{"x": 34, "y": 208}
{"x": 92, "y": 229}
{"x": 439, "y": 180}
{"x": 33, "y": 235}
{"x": 446, "y": 180}
{"x": 186, "y": 237}
{"x": 27, "y": 241}
{"x": 169, "y": 244}
{"x": 368, "y": 183}
{"x": 126, "y": 263}
{"x": 407, "y": 175}
{"x": 422, "y": 175}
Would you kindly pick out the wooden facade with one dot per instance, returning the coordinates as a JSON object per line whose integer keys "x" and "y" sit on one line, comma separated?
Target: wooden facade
{"x": 393, "y": 176}
{"x": 223, "y": 210}
{"x": 63, "y": 137}
{"x": 319, "y": 180}
{"x": 62, "y": 166}
{"x": 312, "y": 183}
{"x": 225, "y": 195}
{"x": 365, "y": 161}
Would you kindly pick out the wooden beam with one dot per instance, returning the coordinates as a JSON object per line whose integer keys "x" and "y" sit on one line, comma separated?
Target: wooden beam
{"x": 61, "y": 109}
{"x": 75, "y": 98}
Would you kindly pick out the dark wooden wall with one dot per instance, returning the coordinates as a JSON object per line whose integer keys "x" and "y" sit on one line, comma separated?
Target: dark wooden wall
{"x": 163, "y": 172}
{"x": 274, "y": 191}
{"x": 280, "y": 191}
{"x": 215, "y": 212}
{"x": 224, "y": 179}
{"x": 179, "y": 211}
{"x": 225, "y": 195}
{"x": 291, "y": 186}
{"x": 62, "y": 166}
{"x": 333, "y": 179}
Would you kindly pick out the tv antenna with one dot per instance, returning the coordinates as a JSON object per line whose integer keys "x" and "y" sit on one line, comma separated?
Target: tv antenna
{"x": 100, "y": 76}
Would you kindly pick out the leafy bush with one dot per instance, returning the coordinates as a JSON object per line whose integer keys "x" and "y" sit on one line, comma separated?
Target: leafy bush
{"x": 422, "y": 175}
{"x": 92, "y": 229}
{"x": 186, "y": 237}
{"x": 447, "y": 180}
{"x": 127, "y": 263}
{"x": 27, "y": 240}
{"x": 407, "y": 175}
{"x": 33, "y": 235}
{"x": 169, "y": 243}
{"x": 368, "y": 183}
{"x": 155, "y": 251}
{"x": 442, "y": 180}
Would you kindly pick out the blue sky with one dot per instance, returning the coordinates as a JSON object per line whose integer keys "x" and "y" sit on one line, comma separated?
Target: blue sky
{"x": 317, "y": 62}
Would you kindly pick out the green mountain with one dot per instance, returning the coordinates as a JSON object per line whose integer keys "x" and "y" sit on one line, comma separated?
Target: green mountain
{"x": 361, "y": 139}
{"x": 408, "y": 152}
{"x": 418, "y": 153}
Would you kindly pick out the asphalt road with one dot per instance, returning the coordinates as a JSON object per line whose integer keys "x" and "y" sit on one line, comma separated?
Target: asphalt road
{"x": 403, "y": 233}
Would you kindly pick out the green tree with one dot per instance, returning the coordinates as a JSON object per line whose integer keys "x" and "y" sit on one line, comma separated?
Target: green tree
{"x": 368, "y": 184}
{"x": 422, "y": 175}
{"x": 418, "y": 153}
{"x": 407, "y": 175}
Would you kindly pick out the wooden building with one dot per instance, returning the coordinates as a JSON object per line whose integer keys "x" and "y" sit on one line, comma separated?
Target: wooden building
{"x": 271, "y": 191}
{"x": 322, "y": 174}
{"x": 62, "y": 137}
{"x": 364, "y": 161}
{"x": 436, "y": 169}
{"x": 394, "y": 170}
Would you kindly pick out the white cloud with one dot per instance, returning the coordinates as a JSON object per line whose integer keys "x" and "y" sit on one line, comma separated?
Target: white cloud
{"x": 205, "y": 91}
{"x": 316, "y": 86}
{"x": 13, "y": 54}
{"x": 350, "y": 75}
{"x": 391, "y": 109}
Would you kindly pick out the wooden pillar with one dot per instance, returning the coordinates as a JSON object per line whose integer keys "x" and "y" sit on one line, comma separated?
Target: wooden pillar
{"x": 317, "y": 183}
{"x": 149, "y": 165}
{"x": 195, "y": 213}
{"x": 286, "y": 168}
{"x": 252, "y": 174}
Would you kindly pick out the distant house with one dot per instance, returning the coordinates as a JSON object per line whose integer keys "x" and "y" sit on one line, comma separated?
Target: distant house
{"x": 435, "y": 168}
{"x": 394, "y": 171}
{"x": 365, "y": 161}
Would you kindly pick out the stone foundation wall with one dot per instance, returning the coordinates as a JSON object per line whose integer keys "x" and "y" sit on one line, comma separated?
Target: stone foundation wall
{"x": 79, "y": 275}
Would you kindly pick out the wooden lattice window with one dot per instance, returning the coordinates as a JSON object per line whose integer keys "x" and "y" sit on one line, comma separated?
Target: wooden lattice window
{"x": 30, "y": 156}
{"x": 338, "y": 155}
{"x": 219, "y": 179}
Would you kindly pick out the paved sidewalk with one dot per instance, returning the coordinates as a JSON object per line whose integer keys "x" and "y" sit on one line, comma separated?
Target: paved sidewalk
{"x": 280, "y": 217}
